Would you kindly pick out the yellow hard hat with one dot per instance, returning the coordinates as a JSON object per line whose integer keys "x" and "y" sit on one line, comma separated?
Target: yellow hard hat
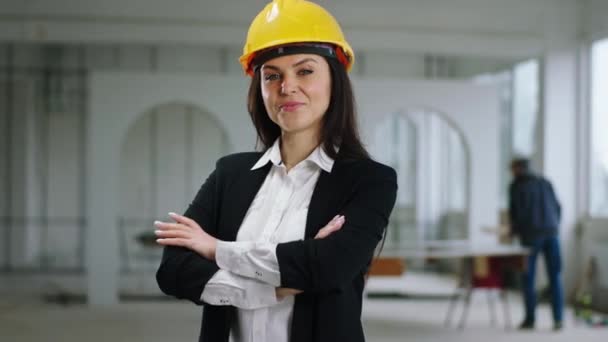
{"x": 284, "y": 22}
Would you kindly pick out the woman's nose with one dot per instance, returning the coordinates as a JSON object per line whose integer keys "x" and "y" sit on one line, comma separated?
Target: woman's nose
{"x": 288, "y": 86}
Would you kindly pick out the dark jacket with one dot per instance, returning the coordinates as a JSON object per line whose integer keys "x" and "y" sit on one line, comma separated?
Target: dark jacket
{"x": 330, "y": 271}
{"x": 534, "y": 210}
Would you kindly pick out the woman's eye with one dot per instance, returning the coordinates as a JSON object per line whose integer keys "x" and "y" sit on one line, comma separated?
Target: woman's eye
{"x": 271, "y": 77}
{"x": 305, "y": 72}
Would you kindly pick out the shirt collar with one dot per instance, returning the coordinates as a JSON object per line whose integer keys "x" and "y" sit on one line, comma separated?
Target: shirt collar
{"x": 273, "y": 154}
{"x": 319, "y": 157}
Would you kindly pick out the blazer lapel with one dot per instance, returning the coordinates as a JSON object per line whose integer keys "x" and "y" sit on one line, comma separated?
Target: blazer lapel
{"x": 324, "y": 203}
{"x": 241, "y": 194}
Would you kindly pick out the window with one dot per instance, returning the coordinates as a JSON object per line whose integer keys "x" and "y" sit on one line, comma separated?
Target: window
{"x": 504, "y": 81}
{"x": 525, "y": 108}
{"x": 519, "y": 89}
{"x": 599, "y": 123}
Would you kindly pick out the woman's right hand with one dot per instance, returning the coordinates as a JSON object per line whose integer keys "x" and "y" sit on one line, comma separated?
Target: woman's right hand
{"x": 333, "y": 226}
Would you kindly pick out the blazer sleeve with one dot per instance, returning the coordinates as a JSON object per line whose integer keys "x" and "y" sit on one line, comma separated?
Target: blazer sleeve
{"x": 328, "y": 264}
{"x": 183, "y": 273}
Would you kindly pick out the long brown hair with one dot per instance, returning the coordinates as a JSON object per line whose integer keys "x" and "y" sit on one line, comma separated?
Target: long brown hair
{"x": 339, "y": 122}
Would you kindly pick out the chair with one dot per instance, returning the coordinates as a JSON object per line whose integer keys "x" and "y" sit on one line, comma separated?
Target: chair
{"x": 483, "y": 273}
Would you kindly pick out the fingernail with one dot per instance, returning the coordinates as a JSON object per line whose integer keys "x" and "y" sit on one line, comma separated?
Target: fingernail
{"x": 156, "y": 223}
{"x": 341, "y": 218}
{"x": 172, "y": 213}
{"x": 335, "y": 217}
{"x": 157, "y": 232}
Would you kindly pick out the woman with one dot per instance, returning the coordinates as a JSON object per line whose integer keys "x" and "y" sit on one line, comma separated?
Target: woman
{"x": 275, "y": 245}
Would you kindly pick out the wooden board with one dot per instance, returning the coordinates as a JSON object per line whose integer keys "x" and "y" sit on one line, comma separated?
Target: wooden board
{"x": 387, "y": 267}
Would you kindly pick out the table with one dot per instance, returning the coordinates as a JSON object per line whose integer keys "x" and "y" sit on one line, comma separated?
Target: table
{"x": 450, "y": 251}
{"x": 472, "y": 257}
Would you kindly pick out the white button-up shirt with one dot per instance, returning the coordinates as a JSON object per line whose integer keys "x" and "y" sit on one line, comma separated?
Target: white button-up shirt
{"x": 249, "y": 270}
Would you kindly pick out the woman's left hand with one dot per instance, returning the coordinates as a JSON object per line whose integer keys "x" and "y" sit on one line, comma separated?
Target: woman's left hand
{"x": 186, "y": 233}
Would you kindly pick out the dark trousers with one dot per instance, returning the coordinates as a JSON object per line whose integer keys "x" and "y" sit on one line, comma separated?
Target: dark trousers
{"x": 550, "y": 249}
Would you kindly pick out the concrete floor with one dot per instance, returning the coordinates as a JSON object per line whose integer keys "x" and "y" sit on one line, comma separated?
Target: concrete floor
{"x": 386, "y": 320}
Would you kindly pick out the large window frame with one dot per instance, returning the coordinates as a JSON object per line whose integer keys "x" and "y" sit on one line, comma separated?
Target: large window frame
{"x": 598, "y": 118}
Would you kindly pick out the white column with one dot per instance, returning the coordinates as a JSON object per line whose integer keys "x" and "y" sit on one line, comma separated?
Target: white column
{"x": 102, "y": 253}
{"x": 560, "y": 163}
{"x": 33, "y": 180}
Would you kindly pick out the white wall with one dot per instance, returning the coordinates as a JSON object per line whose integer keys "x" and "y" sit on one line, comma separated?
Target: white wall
{"x": 118, "y": 99}
{"x": 477, "y": 118}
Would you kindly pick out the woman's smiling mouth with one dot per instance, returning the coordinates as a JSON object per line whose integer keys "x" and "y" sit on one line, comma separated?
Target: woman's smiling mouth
{"x": 290, "y": 106}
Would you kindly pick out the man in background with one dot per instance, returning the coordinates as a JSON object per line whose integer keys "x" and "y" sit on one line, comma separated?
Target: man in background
{"x": 534, "y": 213}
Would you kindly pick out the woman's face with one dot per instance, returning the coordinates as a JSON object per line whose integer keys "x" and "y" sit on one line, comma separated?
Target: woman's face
{"x": 296, "y": 90}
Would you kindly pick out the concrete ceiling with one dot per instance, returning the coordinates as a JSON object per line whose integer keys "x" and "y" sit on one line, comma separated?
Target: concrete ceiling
{"x": 512, "y": 28}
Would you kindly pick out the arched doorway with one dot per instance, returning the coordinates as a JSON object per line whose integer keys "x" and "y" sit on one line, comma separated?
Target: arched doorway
{"x": 432, "y": 159}
{"x": 166, "y": 155}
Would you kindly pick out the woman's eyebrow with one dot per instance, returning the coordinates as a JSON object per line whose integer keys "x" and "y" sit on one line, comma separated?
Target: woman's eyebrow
{"x": 308, "y": 59}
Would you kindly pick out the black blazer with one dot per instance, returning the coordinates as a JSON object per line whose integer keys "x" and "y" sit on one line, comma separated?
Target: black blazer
{"x": 330, "y": 271}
